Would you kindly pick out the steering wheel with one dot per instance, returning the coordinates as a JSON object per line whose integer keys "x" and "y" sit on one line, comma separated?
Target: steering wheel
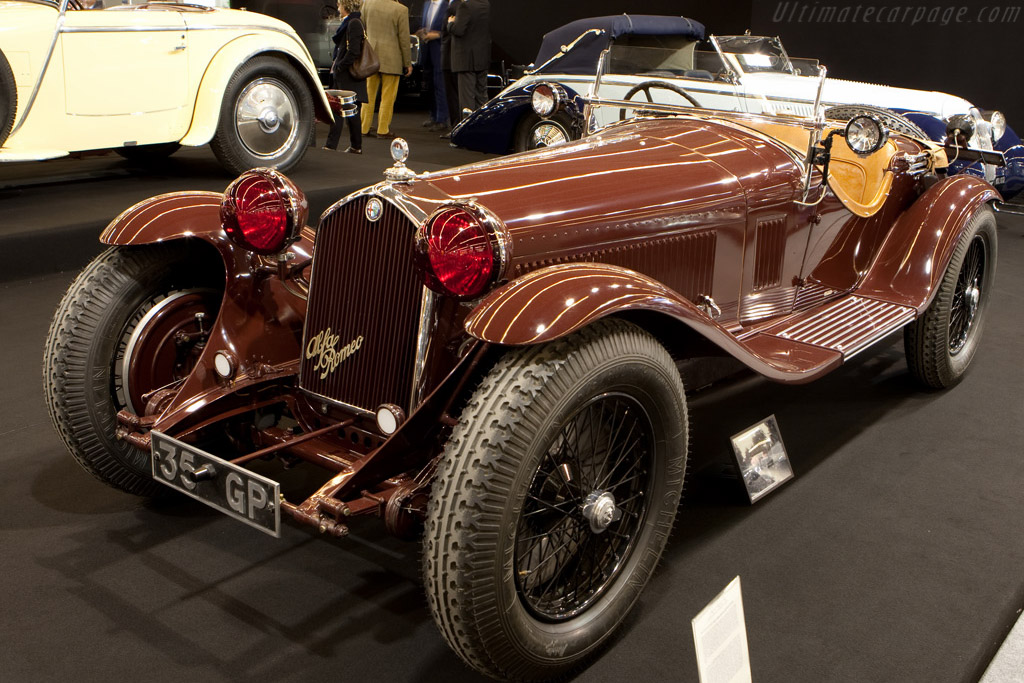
{"x": 647, "y": 86}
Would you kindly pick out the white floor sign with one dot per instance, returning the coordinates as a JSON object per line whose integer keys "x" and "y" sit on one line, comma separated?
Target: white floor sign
{"x": 720, "y": 636}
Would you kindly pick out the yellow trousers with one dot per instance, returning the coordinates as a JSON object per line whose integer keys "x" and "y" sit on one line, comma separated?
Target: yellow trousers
{"x": 388, "y": 91}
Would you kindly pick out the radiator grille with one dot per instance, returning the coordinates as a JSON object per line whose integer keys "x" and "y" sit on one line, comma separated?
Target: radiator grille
{"x": 364, "y": 286}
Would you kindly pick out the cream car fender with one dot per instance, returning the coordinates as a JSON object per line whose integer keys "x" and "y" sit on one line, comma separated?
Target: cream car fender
{"x": 224, "y": 64}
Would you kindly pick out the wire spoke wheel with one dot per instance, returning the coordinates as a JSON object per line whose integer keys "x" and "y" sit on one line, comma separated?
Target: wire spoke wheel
{"x": 942, "y": 342}
{"x": 554, "y": 499}
{"x": 548, "y": 134}
{"x": 967, "y": 295}
{"x": 584, "y": 507}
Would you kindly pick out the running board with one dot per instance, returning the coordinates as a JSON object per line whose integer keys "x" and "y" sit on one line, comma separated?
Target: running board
{"x": 818, "y": 340}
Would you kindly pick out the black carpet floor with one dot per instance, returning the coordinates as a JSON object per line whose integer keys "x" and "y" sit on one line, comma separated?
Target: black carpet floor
{"x": 895, "y": 554}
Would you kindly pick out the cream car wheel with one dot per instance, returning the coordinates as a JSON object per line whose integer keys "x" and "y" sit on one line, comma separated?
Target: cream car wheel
{"x": 266, "y": 117}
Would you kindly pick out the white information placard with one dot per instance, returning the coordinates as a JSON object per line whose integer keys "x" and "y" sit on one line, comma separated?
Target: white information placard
{"x": 720, "y": 637}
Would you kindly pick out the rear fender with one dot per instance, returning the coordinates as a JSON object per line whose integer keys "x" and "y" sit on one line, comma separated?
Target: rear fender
{"x": 226, "y": 62}
{"x": 913, "y": 259}
{"x": 260, "y": 319}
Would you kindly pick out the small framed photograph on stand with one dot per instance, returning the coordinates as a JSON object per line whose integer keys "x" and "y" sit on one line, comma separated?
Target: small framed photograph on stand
{"x": 761, "y": 458}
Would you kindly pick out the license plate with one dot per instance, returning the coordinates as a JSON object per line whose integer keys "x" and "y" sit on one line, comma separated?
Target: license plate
{"x": 235, "y": 491}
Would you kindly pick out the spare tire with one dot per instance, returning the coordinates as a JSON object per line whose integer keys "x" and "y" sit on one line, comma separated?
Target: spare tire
{"x": 8, "y": 98}
{"x": 893, "y": 121}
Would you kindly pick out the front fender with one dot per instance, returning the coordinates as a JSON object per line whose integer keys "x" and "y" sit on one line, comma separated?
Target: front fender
{"x": 492, "y": 127}
{"x": 913, "y": 259}
{"x": 552, "y": 302}
{"x": 165, "y": 217}
{"x": 260, "y": 319}
{"x": 224, "y": 64}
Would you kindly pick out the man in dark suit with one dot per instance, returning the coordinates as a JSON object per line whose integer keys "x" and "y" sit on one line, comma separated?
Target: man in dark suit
{"x": 435, "y": 13}
{"x": 471, "y": 50}
{"x": 451, "y": 81}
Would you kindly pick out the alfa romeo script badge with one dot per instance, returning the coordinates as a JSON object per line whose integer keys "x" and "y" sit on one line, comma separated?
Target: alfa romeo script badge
{"x": 374, "y": 208}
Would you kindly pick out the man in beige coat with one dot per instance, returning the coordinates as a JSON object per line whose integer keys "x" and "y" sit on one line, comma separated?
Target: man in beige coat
{"x": 387, "y": 29}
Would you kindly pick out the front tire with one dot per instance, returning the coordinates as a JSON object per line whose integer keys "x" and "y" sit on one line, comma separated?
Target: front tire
{"x": 266, "y": 117}
{"x": 129, "y": 302}
{"x": 942, "y": 342}
{"x": 554, "y": 499}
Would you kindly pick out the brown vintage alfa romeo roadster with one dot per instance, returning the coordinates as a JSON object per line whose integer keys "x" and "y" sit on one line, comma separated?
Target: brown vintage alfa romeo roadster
{"x": 487, "y": 356}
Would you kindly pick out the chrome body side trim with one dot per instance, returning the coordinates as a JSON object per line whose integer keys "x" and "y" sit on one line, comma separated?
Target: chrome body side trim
{"x": 122, "y": 29}
{"x": 57, "y": 28}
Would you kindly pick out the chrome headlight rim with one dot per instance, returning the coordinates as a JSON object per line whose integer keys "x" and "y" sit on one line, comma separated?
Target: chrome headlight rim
{"x": 865, "y": 134}
{"x": 997, "y": 121}
{"x": 547, "y": 99}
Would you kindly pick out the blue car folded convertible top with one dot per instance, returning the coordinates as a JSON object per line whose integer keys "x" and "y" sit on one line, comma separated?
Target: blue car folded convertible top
{"x": 583, "y": 59}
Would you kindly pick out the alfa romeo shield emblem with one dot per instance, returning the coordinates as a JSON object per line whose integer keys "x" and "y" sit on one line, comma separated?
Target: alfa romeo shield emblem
{"x": 374, "y": 208}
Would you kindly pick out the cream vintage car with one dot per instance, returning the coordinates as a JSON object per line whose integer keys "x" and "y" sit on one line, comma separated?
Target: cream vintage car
{"x": 145, "y": 79}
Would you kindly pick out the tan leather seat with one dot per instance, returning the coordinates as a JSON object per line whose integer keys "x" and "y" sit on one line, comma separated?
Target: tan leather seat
{"x": 861, "y": 182}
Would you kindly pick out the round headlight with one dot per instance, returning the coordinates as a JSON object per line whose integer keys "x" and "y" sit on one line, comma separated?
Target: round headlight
{"x": 545, "y": 100}
{"x": 998, "y": 123}
{"x": 263, "y": 211}
{"x": 866, "y": 134}
{"x": 461, "y": 250}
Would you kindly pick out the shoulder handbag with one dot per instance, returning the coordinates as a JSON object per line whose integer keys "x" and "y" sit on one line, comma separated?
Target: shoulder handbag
{"x": 367, "y": 64}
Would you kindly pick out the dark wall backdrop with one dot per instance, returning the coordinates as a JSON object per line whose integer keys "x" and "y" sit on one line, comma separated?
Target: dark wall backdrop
{"x": 969, "y": 48}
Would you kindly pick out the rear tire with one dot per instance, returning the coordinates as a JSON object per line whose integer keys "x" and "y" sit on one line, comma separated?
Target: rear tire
{"x": 266, "y": 117}
{"x": 942, "y": 342}
{"x": 554, "y": 499}
{"x": 893, "y": 121}
{"x": 8, "y": 99}
{"x": 124, "y": 292}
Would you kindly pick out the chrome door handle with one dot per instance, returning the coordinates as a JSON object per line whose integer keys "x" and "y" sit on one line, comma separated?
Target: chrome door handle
{"x": 178, "y": 48}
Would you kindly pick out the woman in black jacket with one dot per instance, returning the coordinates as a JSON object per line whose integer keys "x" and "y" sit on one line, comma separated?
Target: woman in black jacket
{"x": 348, "y": 47}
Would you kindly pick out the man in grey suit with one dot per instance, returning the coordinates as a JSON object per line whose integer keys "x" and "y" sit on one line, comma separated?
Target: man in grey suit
{"x": 471, "y": 50}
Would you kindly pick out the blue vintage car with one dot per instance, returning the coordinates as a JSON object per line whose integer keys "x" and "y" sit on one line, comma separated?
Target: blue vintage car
{"x": 670, "y": 60}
